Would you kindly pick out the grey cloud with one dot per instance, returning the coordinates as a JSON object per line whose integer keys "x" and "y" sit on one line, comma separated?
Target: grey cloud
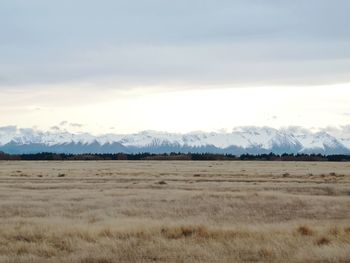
{"x": 76, "y": 125}
{"x": 26, "y": 130}
{"x": 63, "y": 123}
{"x": 342, "y": 131}
{"x": 346, "y": 129}
{"x": 296, "y": 129}
{"x": 56, "y": 128}
{"x": 8, "y": 129}
{"x": 160, "y": 42}
{"x": 71, "y": 124}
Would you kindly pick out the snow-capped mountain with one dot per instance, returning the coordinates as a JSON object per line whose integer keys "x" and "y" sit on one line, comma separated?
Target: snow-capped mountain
{"x": 241, "y": 140}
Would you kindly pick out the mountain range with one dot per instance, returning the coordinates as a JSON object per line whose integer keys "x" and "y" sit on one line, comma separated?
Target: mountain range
{"x": 252, "y": 140}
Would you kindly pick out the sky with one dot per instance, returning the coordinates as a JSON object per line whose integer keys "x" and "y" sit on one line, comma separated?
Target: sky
{"x": 125, "y": 66}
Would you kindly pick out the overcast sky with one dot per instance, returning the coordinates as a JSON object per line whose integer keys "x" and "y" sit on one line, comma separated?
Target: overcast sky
{"x": 122, "y": 65}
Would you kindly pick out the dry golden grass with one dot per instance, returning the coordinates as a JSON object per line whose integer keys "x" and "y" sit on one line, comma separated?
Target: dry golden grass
{"x": 101, "y": 212}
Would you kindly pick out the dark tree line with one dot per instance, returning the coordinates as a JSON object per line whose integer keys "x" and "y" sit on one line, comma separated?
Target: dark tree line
{"x": 46, "y": 156}
{"x": 296, "y": 157}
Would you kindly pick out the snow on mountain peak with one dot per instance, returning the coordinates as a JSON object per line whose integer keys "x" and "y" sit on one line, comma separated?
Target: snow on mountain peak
{"x": 263, "y": 138}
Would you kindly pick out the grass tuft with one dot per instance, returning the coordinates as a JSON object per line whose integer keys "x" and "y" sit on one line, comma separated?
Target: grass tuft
{"x": 305, "y": 231}
{"x": 323, "y": 241}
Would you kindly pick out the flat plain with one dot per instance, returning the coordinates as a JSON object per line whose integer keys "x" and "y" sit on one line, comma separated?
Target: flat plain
{"x": 174, "y": 211}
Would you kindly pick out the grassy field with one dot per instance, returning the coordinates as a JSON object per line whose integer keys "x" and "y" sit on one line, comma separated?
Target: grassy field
{"x": 101, "y": 212}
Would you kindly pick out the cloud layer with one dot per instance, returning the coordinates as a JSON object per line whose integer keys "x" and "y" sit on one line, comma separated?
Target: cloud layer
{"x": 131, "y": 43}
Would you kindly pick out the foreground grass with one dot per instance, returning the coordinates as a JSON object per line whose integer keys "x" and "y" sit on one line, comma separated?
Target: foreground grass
{"x": 103, "y": 212}
{"x": 176, "y": 243}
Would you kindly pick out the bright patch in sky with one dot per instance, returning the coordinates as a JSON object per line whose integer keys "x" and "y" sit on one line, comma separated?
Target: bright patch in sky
{"x": 177, "y": 110}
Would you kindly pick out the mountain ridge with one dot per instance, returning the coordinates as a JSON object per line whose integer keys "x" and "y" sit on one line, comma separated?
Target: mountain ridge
{"x": 252, "y": 140}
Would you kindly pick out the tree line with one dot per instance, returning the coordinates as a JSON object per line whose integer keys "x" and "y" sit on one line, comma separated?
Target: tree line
{"x": 48, "y": 156}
